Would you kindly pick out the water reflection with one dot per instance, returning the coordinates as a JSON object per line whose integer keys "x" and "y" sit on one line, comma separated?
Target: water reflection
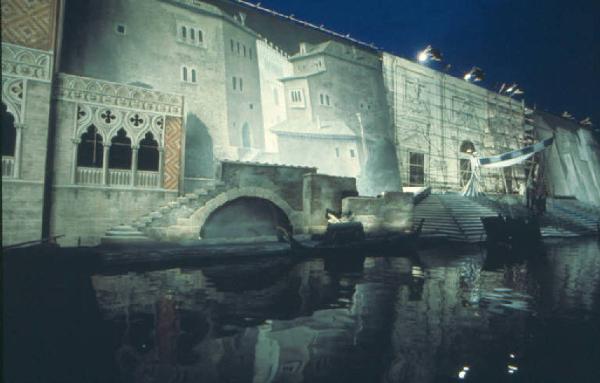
{"x": 446, "y": 316}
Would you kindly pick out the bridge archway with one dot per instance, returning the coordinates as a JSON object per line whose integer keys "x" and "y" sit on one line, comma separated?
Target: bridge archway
{"x": 245, "y": 217}
{"x": 246, "y": 200}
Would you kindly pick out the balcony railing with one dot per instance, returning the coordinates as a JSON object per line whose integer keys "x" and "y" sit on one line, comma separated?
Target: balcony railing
{"x": 146, "y": 179}
{"x": 8, "y": 166}
{"x": 116, "y": 177}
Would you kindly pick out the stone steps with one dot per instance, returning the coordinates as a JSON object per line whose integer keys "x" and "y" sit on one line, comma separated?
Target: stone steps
{"x": 154, "y": 224}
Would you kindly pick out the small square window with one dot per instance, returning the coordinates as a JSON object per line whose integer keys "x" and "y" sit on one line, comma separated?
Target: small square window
{"x": 121, "y": 29}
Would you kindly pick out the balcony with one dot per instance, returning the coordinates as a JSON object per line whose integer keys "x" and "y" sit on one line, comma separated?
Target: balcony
{"x": 116, "y": 177}
{"x": 8, "y": 166}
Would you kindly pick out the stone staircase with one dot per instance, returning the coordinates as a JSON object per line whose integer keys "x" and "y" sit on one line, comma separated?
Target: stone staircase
{"x": 454, "y": 216}
{"x": 153, "y": 225}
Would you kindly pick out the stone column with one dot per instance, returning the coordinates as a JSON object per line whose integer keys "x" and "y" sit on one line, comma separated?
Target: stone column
{"x": 134, "y": 164}
{"x": 76, "y": 142}
{"x": 161, "y": 151}
{"x": 17, "y": 167}
{"x": 106, "y": 149}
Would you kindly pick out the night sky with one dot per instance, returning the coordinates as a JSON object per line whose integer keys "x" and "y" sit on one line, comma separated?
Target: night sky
{"x": 551, "y": 48}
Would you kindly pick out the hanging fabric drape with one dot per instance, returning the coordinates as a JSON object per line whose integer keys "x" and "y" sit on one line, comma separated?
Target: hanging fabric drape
{"x": 501, "y": 161}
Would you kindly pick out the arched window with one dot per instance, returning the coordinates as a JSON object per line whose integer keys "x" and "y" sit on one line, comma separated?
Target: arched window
{"x": 193, "y": 75}
{"x": 89, "y": 150}
{"x": 246, "y": 135}
{"x": 200, "y": 37}
{"x": 467, "y": 147}
{"x": 9, "y": 133}
{"x": 183, "y": 32}
{"x": 184, "y": 73}
{"x": 192, "y": 34}
{"x": 148, "y": 153}
{"x": 120, "y": 151}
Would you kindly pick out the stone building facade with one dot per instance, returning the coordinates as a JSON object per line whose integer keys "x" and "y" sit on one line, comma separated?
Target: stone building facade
{"x": 113, "y": 108}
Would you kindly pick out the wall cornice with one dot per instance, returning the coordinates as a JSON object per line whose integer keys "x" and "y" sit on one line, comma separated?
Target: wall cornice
{"x": 26, "y": 63}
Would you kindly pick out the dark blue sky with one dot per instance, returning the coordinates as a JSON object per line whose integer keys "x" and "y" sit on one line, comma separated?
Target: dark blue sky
{"x": 551, "y": 48}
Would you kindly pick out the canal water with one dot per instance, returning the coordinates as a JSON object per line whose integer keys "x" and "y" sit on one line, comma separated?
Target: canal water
{"x": 444, "y": 315}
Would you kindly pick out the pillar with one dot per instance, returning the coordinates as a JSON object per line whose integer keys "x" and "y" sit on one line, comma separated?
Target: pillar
{"x": 106, "y": 149}
{"x": 17, "y": 167}
{"x": 134, "y": 164}
{"x": 76, "y": 142}
{"x": 161, "y": 151}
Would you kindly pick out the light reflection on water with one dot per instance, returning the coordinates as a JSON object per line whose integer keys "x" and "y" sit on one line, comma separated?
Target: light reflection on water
{"x": 446, "y": 316}
{"x": 449, "y": 314}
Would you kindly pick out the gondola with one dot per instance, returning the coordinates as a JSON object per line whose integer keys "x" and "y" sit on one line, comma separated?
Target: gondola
{"x": 345, "y": 240}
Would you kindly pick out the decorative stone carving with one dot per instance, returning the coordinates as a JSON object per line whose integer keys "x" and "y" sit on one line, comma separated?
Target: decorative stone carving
{"x": 13, "y": 94}
{"x": 108, "y": 121}
{"x": 91, "y": 91}
{"x": 26, "y": 62}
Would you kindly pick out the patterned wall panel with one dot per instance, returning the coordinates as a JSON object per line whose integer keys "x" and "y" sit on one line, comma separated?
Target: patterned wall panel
{"x": 29, "y": 23}
{"x": 172, "y": 152}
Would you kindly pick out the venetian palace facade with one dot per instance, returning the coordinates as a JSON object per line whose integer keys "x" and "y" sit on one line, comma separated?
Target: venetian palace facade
{"x": 112, "y": 107}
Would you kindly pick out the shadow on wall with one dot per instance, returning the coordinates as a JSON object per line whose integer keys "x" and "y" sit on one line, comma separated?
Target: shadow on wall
{"x": 198, "y": 149}
{"x": 381, "y": 170}
{"x": 245, "y": 217}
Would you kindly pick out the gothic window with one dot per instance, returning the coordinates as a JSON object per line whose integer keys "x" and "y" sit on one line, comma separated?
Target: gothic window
{"x": 416, "y": 165}
{"x": 327, "y": 100}
{"x": 193, "y": 75}
{"x": 89, "y": 150}
{"x": 183, "y": 32}
{"x": 232, "y": 45}
{"x": 184, "y": 74}
{"x": 148, "y": 153}
{"x": 250, "y": 53}
{"x": 234, "y": 82}
{"x": 9, "y": 133}
{"x": 192, "y": 34}
{"x": 245, "y": 135}
{"x": 322, "y": 101}
{"x": 244, "y": 51}
{"x": 200, "y": 37}
{"x": 467, "y": 147}
{"x": 241, "y": 84}
{"x": 120, "y": 151}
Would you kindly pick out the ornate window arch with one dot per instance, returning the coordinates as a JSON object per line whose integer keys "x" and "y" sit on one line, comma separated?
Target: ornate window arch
{"x": 90, "y": 149}
{"x": 119, "y": 156}
{"x": 148, "y": 154}
{"x": 9, "y": 132}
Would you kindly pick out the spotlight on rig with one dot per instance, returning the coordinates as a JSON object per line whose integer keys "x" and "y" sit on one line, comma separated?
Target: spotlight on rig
{"x": 429, "y": 53}
{"x": 475, "y": 74}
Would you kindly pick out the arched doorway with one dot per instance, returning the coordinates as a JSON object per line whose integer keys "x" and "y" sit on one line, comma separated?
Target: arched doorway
{"x": 466, "y": 151}
{"x": 245, "y": 217}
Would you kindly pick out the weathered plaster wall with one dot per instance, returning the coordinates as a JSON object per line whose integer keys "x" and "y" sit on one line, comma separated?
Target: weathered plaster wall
{"x": 83, "y": 214}
{"x": 285, "y": 181}
{"x": 322, "y": 192}
{"x": 434, "y": 113}
{"x": 388, "y": 213}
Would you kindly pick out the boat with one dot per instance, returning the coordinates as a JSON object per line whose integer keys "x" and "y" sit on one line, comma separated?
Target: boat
{"x": 347, "y": 239}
